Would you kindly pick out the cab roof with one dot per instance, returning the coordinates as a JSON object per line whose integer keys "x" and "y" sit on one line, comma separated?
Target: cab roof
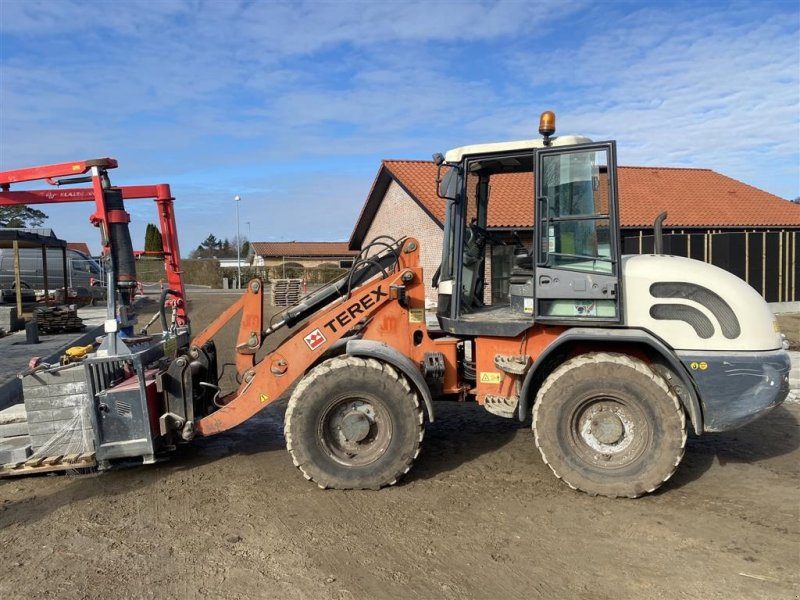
{"x": 457, "y": 154}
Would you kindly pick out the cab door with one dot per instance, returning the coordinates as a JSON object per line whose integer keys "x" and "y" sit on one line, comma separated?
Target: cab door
{"x": 577, "y": 246}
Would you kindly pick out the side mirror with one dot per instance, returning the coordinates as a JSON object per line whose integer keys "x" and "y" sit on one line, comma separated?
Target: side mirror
{"x": 447, "y": 185}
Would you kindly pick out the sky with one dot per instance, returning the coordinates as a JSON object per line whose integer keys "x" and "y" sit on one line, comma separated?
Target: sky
{"x": 293, "y": 105}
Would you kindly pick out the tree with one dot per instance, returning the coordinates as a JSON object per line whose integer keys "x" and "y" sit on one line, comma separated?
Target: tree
{"x": 211, "y": 243}
{"x": 208, "y": 248}
{"x": 152, "y": 239}
{"x": 21, "y": 216}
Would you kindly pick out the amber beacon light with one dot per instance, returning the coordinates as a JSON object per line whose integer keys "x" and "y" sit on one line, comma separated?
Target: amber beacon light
{"x": 547, "y": 125}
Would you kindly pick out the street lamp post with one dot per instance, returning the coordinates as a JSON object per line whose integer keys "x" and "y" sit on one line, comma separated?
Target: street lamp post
{"x": 238, "y": 198}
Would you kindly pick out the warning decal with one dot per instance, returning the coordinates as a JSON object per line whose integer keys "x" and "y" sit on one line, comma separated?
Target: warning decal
{"x": 489, "y": 377}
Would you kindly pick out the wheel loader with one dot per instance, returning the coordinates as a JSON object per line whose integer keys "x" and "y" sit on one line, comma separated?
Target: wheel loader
{"x": 613, "y": 358}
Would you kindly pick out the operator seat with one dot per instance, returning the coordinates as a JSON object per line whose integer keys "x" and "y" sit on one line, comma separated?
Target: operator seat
{"x": 520, "y": 281}
{"x": 522, "y": 267}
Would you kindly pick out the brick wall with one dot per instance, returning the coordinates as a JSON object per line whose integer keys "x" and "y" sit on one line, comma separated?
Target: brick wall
{"x": 399, "y": 215}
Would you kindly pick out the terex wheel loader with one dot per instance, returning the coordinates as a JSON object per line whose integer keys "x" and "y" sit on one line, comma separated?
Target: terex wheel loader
{"x": 615, "y": 357}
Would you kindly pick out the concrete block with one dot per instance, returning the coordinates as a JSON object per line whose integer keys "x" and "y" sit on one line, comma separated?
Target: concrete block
{"x": 54, "y": 447}
{"x": 8, "y": 318}
{"x": 71, "y": 374}
{"x": 55, "y": 414}
{"x": 14, "y": 450}
{"x": 50, "y": 391}
{"x": 13, "y": 414}
{"x": 72, "y": 437}
{"x": 58, "y": 411}
{"x": 60, "y": 427}
{"x": 8, "y": 430}
{"x": 56, "y": 402}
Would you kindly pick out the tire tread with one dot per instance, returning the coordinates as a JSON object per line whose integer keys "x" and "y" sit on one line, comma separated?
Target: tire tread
{"x": 391, "y": 377}
{"x": 624, "y": 361}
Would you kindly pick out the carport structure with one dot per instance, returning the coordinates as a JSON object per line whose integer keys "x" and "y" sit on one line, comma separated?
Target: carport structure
{"x": 16, "y": 239}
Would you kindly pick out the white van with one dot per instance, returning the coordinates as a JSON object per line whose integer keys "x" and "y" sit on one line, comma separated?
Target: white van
{"x": 83, "y": 272}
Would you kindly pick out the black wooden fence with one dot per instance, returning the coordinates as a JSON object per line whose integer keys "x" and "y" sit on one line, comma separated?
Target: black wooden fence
{"x": 768, "y": 260}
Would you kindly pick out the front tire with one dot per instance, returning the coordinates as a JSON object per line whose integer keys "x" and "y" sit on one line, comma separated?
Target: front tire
{"x": 609, "y": 425}
{"x": 353, "y": 423}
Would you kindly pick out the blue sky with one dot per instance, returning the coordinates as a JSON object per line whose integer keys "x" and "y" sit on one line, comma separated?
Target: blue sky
{"x": 293, "y": 105}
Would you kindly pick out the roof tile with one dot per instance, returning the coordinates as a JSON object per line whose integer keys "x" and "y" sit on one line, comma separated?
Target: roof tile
{"x": 692, "y": 197}
{"x": 300, "y": 249}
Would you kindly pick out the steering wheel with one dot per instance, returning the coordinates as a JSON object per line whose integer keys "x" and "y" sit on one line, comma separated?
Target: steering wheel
{"x": 481, "y": 236}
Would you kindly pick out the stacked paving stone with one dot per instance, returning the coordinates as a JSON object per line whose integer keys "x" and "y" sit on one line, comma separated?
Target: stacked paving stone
{"x": 59, "y": 411}
{"x": 8, "y": 318}
{"x": 15, "y": 444}
{"x": 13, "y": 421}
{"x": 286, "y": 292}
{"x": 57, "y": 319}
{"x": 14, "y": 449}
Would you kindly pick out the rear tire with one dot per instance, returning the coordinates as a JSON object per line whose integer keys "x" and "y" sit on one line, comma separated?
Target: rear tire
{"x": 353, "y": 423}
{"x": 609, "y": 425}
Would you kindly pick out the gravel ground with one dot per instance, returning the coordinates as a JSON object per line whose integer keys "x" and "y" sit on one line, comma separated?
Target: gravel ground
{"x": 480, "y": 516}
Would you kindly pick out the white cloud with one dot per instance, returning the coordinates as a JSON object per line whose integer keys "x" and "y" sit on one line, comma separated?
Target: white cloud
{"x": 705, "y": 90}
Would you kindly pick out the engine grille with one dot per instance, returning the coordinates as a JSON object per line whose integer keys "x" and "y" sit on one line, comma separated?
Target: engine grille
{"x": 721, "y": 310}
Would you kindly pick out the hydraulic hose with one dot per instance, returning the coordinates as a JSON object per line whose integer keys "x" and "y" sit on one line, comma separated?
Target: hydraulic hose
{"x": 162, "y": 306}
{"x": 339, "y": 288}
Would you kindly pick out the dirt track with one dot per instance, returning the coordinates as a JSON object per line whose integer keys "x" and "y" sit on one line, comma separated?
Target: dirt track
{"x": 480, "y": 516}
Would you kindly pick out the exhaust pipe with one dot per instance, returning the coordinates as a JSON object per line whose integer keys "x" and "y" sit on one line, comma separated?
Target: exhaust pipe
{"x": 658, "y": 237}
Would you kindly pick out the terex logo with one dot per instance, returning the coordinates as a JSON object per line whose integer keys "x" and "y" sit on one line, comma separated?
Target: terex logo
{"x": 348, "y": 315}
{"x": 314, "y": 340}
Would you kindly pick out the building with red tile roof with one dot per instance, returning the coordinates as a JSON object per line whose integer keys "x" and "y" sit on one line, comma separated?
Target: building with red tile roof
{"x": 303, "y": 249}
{"x": 403, "y": 201}
{"x": 694, "y": 198}
{"x": 284, "y": 259}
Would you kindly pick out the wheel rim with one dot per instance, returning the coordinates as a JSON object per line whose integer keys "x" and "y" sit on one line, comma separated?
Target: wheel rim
{"x": 609, "y": 432}
{"x": 355, "y": 431}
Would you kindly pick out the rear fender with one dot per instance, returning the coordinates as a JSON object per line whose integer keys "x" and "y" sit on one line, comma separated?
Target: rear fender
{"x": 663, "y": 357}
{"x": 387, "y": 354}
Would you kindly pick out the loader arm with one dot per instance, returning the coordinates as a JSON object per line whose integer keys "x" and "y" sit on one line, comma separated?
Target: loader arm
{"x": 264, "y": 382}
